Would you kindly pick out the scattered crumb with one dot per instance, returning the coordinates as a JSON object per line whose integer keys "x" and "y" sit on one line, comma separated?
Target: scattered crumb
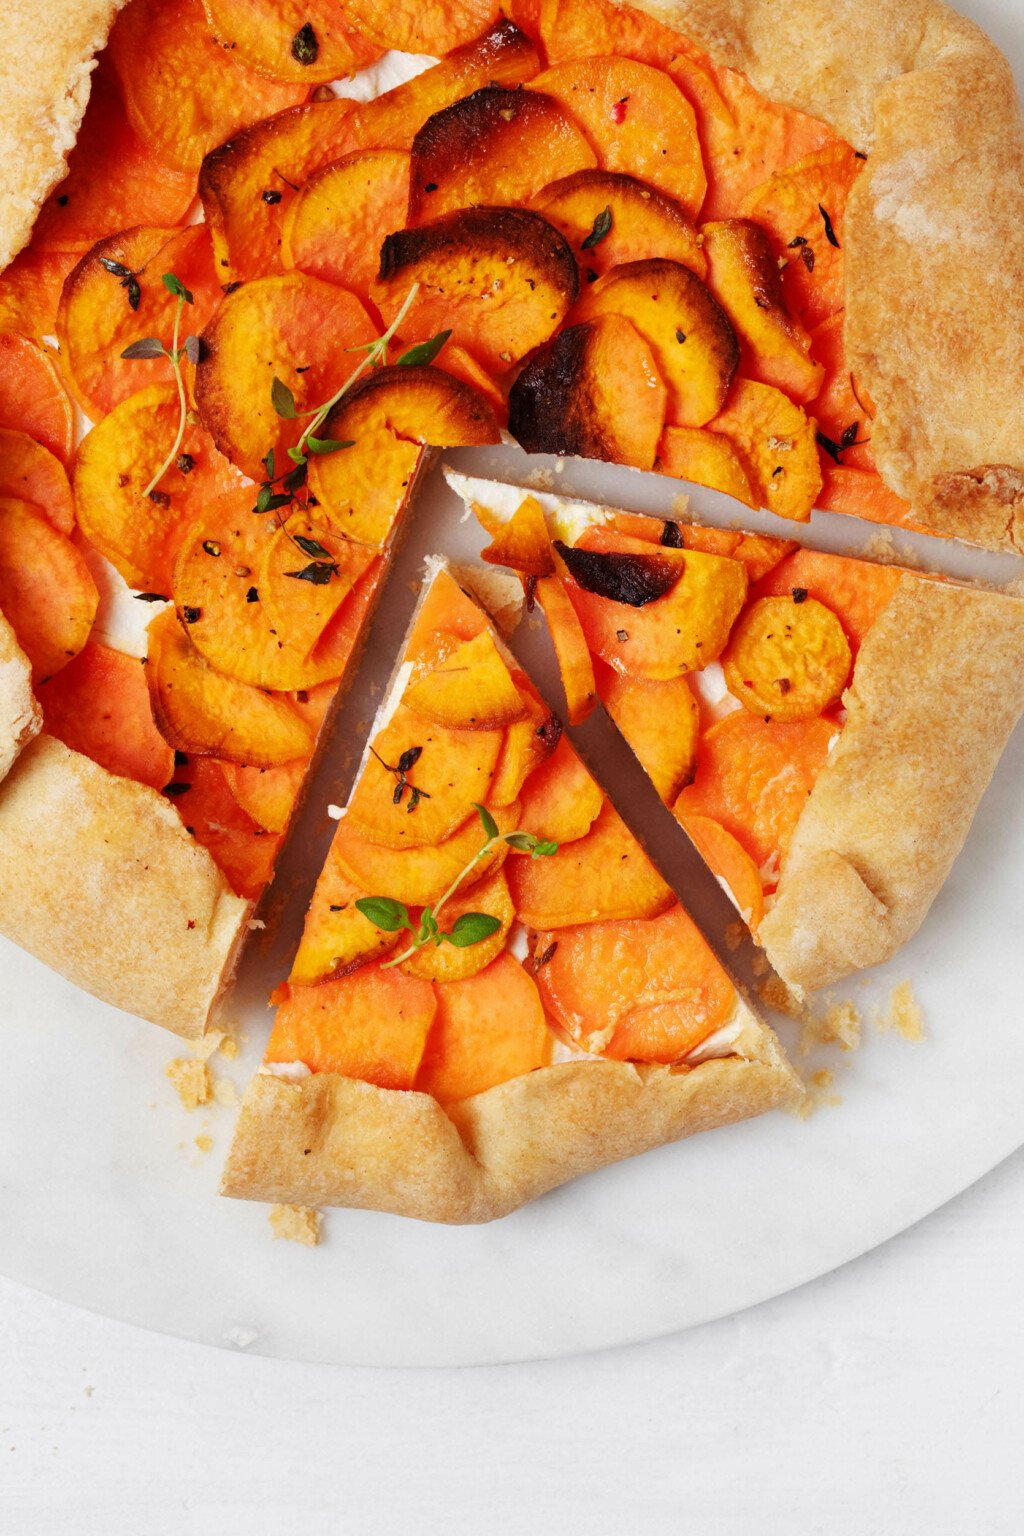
{"x": 822, "y": 1079}
{"x": 204, "y": 1143}
{"x": 775, "y": 994}
{"x": 225, "y": 1092}
{"x": 296, "y": 1223}
{"x": 818, "y": 1095}
{"x": 734, "y": 935}
{"x": 88, "y": 1391}
{"x": 904, "y": 1016}
{"x": 255, "y": 923}
{"x": 241, "y": 1338}
{"x": 229, "y": 1048}
{"x": 680, "y": 506}
{"x": 204, "y": 1048}
{"x": 759, "y": 965}
{"x": 840, "y": 1025}
{"x": 191, "y": 1079}
{"x": 540, "y": 479}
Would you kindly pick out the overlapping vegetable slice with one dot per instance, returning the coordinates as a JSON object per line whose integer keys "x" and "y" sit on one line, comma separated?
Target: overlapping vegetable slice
{"x": 303, "y": 42}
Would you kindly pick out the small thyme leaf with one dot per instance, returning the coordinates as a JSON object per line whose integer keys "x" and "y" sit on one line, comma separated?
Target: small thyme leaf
{"x": 295, "y": 480}
{"x": 268, "y": 464}
{"x": 150, "y": 597}
{"x": 411, "y": 756}
{"x": 317, "y": 551}
{"x": 832, "y": 449}
{"x": 830, "y": 234}
{"x": 116, "y": 267}
{"x": 487, "y": 821}
{"x": 174, "y": 285}
{"x": 134, "y": 292}
{"x": 849, "y": 436}
{"x": 318, "y": 573}
{"x": 544, "y": 850}
{"x": 424, "y": 351}
{"x": 305, "y": 45}
{"x": 320, "y": 446}
{"x": 472, "y": 928}
{"x": 522, "y": 842}
{"x": 382, "y": 912}
{"x": 601, "y": 227}
{"x": 147, "y": 346}
{"x": 282, "y": 400}
{"x": 191, "y": 349}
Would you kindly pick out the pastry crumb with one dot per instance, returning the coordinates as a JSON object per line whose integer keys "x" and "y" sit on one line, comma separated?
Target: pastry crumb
{"x": 905, "y": 1016}
{"x": 205, "y": 1047}
{"x": 734, "y": 935}
{"x": 839, "y": 1025}
{"x": 296, "y": 1224}
{"x": 229, "y": 1047}
{"x": 759, "y": 965}
{"x": 191, "y": 1079}
{"x": 774, "y": 993}
{"x": 204, "y": 1143}
{"x": 255, "y": 924}
{"x": 817, "y": 1095}
{"x": 540, "y": 479}
{"x": 681, "y": 508}
{"x": 225, "y": 1092}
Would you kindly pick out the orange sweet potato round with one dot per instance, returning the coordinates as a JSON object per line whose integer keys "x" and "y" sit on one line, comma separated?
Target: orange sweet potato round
{"x": 300, "y": 610}
{"x": 30, "y": 290}
{"x": 244, "y": 852}
{"x": 99, "y": 705}
{"x": 30, "y": 472}
{"x": 604, "y": 875}
{"x": 775, "y": 442}
{"x": 560, "y": 799}
{"x": 419, "y": 876}
{"x": 304, "y": 42}
{"x": 46, "y": 592}
{"x": 458, "y": 362}
{"x": 335, "y": 227}
{"x": 661, "y": 722}
{"x": 372, "y": 1024}
{"x": 32, "y": 394}
{"x": 489, "y": 1027}
{"x": 527, "y": 745}
{"x": 448, "y": 962}
{"x": 705, "y": 458}
{"x": 575, "y": 665}
{"x": 471, "y": 689}
{"x": 787, "y": 659}
{"x": 268, "y": 795}
{"x": 429, "y": 26}
{"x": 731, "y": 864}
{"x": 337, "y": 937}
{"x": 855, "y": 590}
{"x": 522, "y": 543}
{"x": 610, "y": 218}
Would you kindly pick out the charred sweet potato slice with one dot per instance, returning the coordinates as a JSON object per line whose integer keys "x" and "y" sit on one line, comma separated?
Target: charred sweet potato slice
{"x": 292, "y": 327}
{"x": 335, "y": 227}
{"x": 199, "y": 709}
{"x": 372, "y": 1024}
{"x": 30, "y": 290}
{"x": 115, "y": 463}
{"x": 496, "y": 146}
{"x": 693, "y": 343}
{"x": 472, "y": 689}
{"x": 661, "y": 722}
{"x": 32, "y": 395}
{"x": 182, "y": 91}
{"x": 610, "y": 218}
{"x": 635, "y": 989}
{"x": 419, "y": 876}
{"x": 527, "y": 745}
{"x": 268, "y": 795}
{"x": 787, "y": 659}
{"x": 731, "y": 864}
{"x": 595, "y": 392}
{"x": 775, "y": 442}
{"x": 96, "y": 320}
{"x": 855, "y": 590}
{"x": 99, "y": 705}
{"x": 243, "y": 851}
{"x": 337, "y": 937}
{"x": 304, "y": 42}
{"x": 744, "y": 276}
{"x": 440, "y": 772}
{"x": 604, "y": 875}
{"x": 635, "y": 577}
{"x": 705, "y": 458}
{"x": 560, "y": 800}
{"x": 575, "y": 665}
{"x": 489, "y": 1027}
{"x": 434, "y": 27}
{"x": 637, "y": 119}
{"x": 46, "y": 592}
{"x": 522, "y": 544}
{"x": 501, "y": 279}
{"x": 450, "y": 963}
{"x": 30, "y": 472}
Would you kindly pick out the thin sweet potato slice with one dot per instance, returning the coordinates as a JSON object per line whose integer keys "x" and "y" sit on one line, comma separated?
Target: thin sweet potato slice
{"x": 419, "y": 876}
{"x": 30, "y": 290}
{"x": 843, "y": 411}
{"x": 448, "y": 962}
{"x": 635, "y": 989}
{"x": 522, "y": 543}
{"x": 731, "y": 864}
{"x": 787, "y": 659}
{"x": 243, "y": 851}
{"x": 637, "y": 119}
{"x": 758, "y": 551}
{"x": 268, "y": 795}
{"x": 744, "y": 276}
{"x": 705, "y": 458}
{"x": 610, "y": 218}
{"x": 199, "y": 709}
{"x": 292, "y": 327}
{"x": 604, "y": 875}
{"x": 96, "y": 320}
{"x": 855, "y": 590}
{"x": 440, "y": 772}
{"x": 500, "y": 279}
{"x": 432, "y": 26}
{"x": 47, "y": 594}
{"x": 560, "y": 799}
{"x": 595, "y": 392}
{"x": 372, "y": 1024}
{"x": 115, "y": 463}
{"x": 99, "y": 705}
{"x": 754, "y": 776}
{"x": 575, "y": 665}
{"x": 489, "y": 1028}
{"x": 336, "y": 225}
{"x": 304, "y": 42}
{"x": 32, "y": 395}
{"x": 461, "y": 365}
{"x": 775, "y": 442}
{"x": 693, "y": 343}
{"x": 305, "y": 575}
{"x": 661, "y": 722}
{"x": 337, "y": 937}
{"x": 182, "y": 91}
{"x": 30, "y": 472}
{"x": 863, "y": 493}
{"x": 527, "y": 745}
{"x": 498, "y": 145}
{"x": 472, "y": 689}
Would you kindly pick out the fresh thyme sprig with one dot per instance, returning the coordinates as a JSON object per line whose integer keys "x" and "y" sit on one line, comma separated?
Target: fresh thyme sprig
{"x": 469, "y": 928}
{"x": 408, "y": 760}
{"x": 151, "y": 347}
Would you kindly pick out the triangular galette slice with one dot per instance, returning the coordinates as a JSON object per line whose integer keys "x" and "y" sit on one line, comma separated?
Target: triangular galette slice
{"x": 495, "y": 989}
{"x": 822, "y": 726}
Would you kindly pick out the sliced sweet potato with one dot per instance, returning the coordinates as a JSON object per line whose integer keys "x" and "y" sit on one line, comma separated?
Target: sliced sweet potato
{"x": 304, "y": 42}
{"x": 46, "y": 592}
{"x": 842, "y": 410}
{"x": 268, "y": 795}
{"x": 677, "y": 633}
{"x": 498, "y": 145}
{"x": 635, "y": 989}
{"x": 201, "y": 710}
{"x": 775, "y": 442}
{"x": 292, "y": 327}
{"x": 372, "y": 1024}
{"x": 705, "y": 458}
{"x": 500, "y": 279}
{"x": 441, "y": 772}
{"x": 243, "y": 850}
{"x": 754, "y": 776}
{"x": 335, "y": 227}
{"x": 445, "y": 608}
{"x": 787, "y": 659}
{"x": 661, "y": 722}
{"x": 30, "y": 290}
{"x": 604, "y": 875}
{"x": 594, "y": 392}
{"x": 419, "y": 876}
{"x": 32, "y": 395}
{"x": 610, "y": 218}
{"x": 472, "y": 689}
{"x": 182, "y": 91}
{"x": 694, "y": 346}
{"x": 99, "y": 705}
{"x": 802, "y": 208}
{"x": 863, "y": 493}
{"x": 96, "y": 321}
{"x": 855, "y": 590}
{"x": 637, "y": 119}
{"x": 527, "y": 745}
{"x": 758, "y": 551}
{"x": 744, "y": 276}
{"x": 115, "y": 463}
{"x": 461, "y": 365}
{"x": 300, "y": 608}
{"x": 337, "y": 937}
{"x": 448, "y": 962}
{"x": 560, "y": 799}
{"x": 522, "y": 543}
{"x": 731, "y": 864}
{"x": 114, "y": 179}
{"x": 489, "y": 1027}
{"x": 571, "y": 649}
{"x": 434, "y": 27}
{"x": 30, "y": 472}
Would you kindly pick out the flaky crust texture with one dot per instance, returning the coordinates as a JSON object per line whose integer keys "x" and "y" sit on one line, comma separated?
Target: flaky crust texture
{"x": 936, "y": 690}
{"x": 330, "y": 1140}
{"x": 20, "y": 715}
{"x": 100, "y": 880}
{"x": 934, "y": 233}
{"x": 48, "y": 51}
